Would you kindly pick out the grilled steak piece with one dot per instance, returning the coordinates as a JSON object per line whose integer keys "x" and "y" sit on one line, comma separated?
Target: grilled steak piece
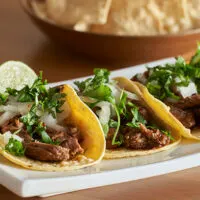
{"x": 156, "y": 137}
{"x": 186, "y": 117}
{"x": 135, "y": 139}
{"x": 46, "y": 152}
{"x": 25, "y": 135}
{"x": 189, "y": 102}
{"x": 73, "y": 145}
{"x": 74, "y": 132}
{"x": 12, "y": 125}
{"x": 143, "y": 138}
{"x": 68, "y": 139}
{"x": 109, "y": 139}
{"x": 196, "y": 112}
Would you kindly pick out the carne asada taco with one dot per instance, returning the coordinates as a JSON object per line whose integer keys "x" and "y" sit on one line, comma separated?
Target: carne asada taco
{"x": 177, "y": 86}
{"x": 131, "y": 127}
{"x": 48, "y": 129}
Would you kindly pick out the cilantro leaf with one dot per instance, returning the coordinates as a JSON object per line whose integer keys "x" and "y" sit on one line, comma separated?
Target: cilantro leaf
{"x": 196, "y": 58}
{"x": 122, "y": 103}
{"x": 3, "y": 99}
{"x": 113, "y": 123}
{"x": 137, "y": 118}
{"x": 15, "y": 147}
{"x": 96, "y": 87}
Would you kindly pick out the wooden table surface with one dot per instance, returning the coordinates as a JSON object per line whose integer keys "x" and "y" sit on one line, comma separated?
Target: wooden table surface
{"x": 21, "y": 40}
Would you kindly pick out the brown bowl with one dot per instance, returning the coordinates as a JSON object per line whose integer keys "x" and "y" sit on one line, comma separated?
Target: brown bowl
{"x": 126, "y": 49}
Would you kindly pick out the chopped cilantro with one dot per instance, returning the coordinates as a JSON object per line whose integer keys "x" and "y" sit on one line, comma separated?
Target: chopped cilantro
{"x": 196, "y": 58}
{"x": 137, "y": 118}
{"x": 162, "y": 80}
{"x": 113, "y": 123}
{"x": 3, "y": 99}
{"x": 15, "y": 147}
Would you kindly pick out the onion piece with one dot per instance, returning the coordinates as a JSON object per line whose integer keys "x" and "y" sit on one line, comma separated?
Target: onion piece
{"x": 104, "y": 113}
{"x": 131, "y": 95}
{"x": 19, "y": 108}
{"x": 7, "y": 135}
{"x": 51, "y": 122}
{"x": 6, "y": 116}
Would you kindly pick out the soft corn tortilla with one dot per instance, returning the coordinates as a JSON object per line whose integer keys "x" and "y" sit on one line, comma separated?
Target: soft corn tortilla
{"x": 79, "y": 114}
{"x": 150, "y": 17}
{"x": 159, "y": 115}
{"x": 164, "y": 111}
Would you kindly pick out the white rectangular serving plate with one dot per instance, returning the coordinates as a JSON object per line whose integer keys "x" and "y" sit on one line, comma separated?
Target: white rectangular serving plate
{"x": 27, "y": 183}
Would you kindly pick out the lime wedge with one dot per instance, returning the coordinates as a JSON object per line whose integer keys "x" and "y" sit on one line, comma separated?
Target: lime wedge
{"x": 16, "y": 75}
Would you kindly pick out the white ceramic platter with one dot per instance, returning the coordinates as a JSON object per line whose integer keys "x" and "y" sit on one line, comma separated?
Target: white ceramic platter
{"x": 27, "y": 183}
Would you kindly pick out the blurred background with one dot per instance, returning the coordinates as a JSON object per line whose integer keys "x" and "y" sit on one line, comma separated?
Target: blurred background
{"x": 64, "y": 39}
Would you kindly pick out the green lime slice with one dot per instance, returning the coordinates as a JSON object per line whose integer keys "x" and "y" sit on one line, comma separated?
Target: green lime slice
{"x": 16, "y": 75}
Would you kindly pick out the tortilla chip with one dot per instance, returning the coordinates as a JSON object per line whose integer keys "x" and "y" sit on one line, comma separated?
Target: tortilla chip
{"x": 165, "y": 121}
{"x": 93, "y": 144}
{"x": 150, "y": 17}
{"x": 78, "y": 13}
{"x": 39, "y": 7}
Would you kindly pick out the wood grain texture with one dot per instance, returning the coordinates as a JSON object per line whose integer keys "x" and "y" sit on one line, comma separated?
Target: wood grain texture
{"x": 21, "y": 40}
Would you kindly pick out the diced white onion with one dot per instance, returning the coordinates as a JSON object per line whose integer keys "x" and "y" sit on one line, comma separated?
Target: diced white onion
{"x": 51, "y": 122}
{"x": 6, "y": 116}
{"x": 131, "y": 95}
{"x": 141, "y": 78}
{"x": 19, "y": 108}
{"x": 7, "y": 135}
{"x": 187, "y": 91}
{"x": 104, "y": 112}
{"x": 116, "y": 92}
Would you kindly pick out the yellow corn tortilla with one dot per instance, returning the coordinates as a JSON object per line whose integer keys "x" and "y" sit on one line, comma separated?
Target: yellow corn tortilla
{"x": 164, "y": 111}
{"x": 165, "y": 121}
{"x": 80, "y": 115}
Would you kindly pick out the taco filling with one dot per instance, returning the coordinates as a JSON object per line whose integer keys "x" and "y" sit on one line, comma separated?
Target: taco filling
{"x": 126, "y": 122}
{"x": 33, "y": 124}
{"x": 178, "y": 86}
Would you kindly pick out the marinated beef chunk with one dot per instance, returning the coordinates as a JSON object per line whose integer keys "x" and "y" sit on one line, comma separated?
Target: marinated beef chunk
{"x": 46, "y": 152}
{"x": 74, "y": 132}
{"x": 25, "y": 135}
{"x": 134, "y": 139}
{"x": 186, "y": 117}
{"x": 11, "y": 125}
{"x": 189, "y": 102}
{"x": 60, "y": 136}
{"x": 197, "y": 114}
{"x": 143, "y": 138}
{"x": 73, "y": 145}
{"x": 68, "y": 139}
{"x": 109, "y": 139}
{"x": 56, "y": 136}
{"x": 156, "y": 137}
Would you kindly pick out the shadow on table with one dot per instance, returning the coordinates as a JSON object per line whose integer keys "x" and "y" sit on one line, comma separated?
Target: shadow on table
{"x": 61, "y": 63}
